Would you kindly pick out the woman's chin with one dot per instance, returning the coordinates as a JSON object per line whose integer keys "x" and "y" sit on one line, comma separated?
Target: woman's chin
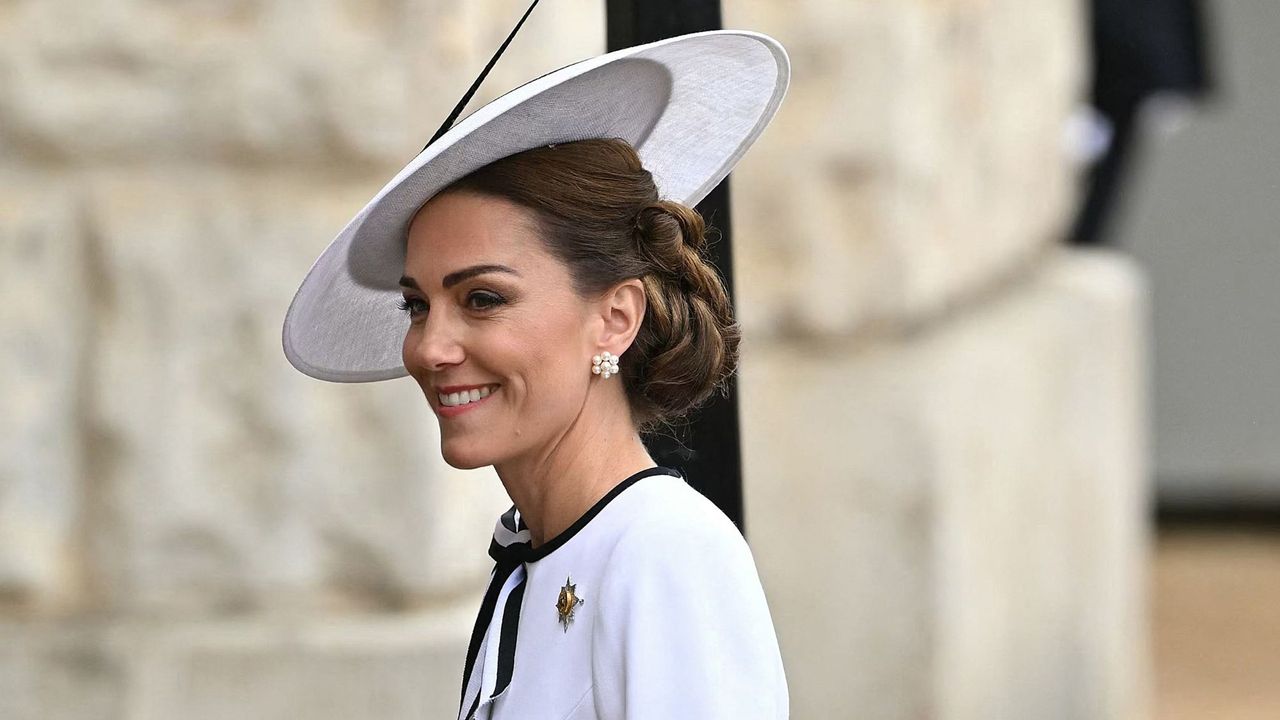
{"x": 464, "y": 458}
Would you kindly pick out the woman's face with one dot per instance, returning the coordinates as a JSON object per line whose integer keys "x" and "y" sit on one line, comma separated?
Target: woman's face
{"x": 494, "y": 320}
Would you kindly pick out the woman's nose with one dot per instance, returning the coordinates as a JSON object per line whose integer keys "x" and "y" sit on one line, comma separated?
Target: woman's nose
{"x": 432, "y": 345}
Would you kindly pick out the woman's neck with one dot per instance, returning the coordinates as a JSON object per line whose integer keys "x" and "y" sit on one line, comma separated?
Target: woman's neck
{"x": 556, "y": 486}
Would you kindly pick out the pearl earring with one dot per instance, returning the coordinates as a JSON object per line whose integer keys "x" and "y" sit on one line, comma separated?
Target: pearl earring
{"x": 604, "y": 365}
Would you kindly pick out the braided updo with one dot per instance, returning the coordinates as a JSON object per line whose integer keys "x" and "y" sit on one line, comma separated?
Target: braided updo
{"x": 600, "y": 214}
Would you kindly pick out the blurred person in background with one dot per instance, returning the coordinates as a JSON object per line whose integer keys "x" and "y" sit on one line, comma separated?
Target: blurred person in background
{"x": 1150, "y": 62}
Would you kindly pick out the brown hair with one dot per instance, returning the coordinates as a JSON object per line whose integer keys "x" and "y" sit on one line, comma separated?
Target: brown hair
{"x": 600, "y": 214}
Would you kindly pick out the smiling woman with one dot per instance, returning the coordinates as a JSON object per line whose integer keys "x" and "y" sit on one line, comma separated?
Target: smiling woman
{"x": 618, "y": 591}
{"x": 516, "y": 278}
{"x": 532, "y": 267}
{"x": 573, "y": 233}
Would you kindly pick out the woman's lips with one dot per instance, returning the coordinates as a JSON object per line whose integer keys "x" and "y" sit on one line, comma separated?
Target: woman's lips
{"x": 451, "y": 411}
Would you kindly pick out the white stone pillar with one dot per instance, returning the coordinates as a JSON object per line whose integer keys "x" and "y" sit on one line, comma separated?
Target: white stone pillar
{"x": 944, "y": 413}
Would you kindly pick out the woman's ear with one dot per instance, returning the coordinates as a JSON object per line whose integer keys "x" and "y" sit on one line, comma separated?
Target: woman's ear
{"x": 622, "y": 309}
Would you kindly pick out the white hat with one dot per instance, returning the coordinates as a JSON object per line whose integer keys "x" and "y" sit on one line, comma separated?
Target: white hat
{"x": 690, "y": 105}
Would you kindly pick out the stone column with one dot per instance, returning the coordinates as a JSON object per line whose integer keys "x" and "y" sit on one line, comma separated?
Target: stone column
{"x": 944, "y": 410}
{"x": 188, "y": 526}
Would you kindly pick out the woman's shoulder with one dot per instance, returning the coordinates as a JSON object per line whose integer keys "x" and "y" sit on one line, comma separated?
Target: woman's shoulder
{"x": 681, "y": 582}
{"x": 671, "y": 524}
{"x": 667, "y": 503}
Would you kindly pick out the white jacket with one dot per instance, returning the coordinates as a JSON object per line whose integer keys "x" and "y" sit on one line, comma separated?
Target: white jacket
{"x": 670, "y": 620}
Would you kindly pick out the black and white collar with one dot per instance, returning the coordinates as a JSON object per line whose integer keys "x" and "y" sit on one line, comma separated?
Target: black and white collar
{"x": 511, "y": 548}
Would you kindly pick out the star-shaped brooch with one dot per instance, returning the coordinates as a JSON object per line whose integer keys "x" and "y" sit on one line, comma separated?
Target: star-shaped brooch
{"x": 568, "y": 602}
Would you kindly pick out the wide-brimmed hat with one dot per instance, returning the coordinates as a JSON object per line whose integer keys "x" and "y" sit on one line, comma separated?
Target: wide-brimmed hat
{"x": 690, "y": 105}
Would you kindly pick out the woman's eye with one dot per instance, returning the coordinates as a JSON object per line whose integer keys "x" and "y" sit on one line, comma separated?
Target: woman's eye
{"x": 484, "y": 300}
{"x": 412, "y": 306}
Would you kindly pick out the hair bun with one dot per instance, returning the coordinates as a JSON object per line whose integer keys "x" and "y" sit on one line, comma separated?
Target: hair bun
{"x": 672, "y": 236}
{"x": 692, "y": 339}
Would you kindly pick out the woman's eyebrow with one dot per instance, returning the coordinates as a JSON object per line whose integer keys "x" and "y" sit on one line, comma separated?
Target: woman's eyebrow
{"x": 454, "y": 278}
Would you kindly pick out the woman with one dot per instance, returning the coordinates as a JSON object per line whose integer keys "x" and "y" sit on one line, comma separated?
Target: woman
{"x": 554, "y": 306}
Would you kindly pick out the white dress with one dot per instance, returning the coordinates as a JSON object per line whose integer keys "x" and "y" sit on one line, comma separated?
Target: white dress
{"x": 648, "y": 606}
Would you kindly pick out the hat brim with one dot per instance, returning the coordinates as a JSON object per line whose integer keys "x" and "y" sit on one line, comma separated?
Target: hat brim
{"x": 690, "y": 105}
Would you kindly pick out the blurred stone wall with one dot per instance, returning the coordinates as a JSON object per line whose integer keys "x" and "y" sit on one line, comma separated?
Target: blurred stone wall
{"x": 948, "y": 524}
{"x": 189, "y": 528}
{"x": 944, "y": 409}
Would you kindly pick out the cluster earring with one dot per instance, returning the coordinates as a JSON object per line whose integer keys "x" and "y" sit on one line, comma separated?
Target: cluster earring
{"x": 604, "y": 365}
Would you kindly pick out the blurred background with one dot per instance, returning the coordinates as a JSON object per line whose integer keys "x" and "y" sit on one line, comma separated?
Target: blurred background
{"x": 1010, "y": 419}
